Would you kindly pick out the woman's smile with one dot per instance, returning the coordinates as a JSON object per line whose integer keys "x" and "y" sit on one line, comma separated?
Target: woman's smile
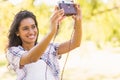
{"x": 28, "y": 31}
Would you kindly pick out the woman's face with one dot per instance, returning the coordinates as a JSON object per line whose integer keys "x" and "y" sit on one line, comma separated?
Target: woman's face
{"x": 28, "y": 31}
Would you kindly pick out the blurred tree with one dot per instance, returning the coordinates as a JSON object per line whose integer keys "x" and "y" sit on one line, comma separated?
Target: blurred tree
{"x": 100, "y": 20}
{"x": 101, "y": 23}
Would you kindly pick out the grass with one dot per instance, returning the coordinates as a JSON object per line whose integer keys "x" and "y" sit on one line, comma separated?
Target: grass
{"x": 2, "y": 63}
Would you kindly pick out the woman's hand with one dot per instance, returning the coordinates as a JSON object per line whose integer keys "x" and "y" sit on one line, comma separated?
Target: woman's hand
{"x": 56, "y": 17}
{"x": 78, "y": 16}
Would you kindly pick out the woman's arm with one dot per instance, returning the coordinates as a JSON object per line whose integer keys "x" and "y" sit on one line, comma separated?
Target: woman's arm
{"x": 35, "y": 53}
{"x": 76, "y": 38}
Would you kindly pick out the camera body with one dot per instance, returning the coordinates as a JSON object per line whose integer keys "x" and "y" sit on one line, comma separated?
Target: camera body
{"x": 69, "y": 8}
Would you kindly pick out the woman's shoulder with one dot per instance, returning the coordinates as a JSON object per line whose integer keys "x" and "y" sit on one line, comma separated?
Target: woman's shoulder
{"x": 15, "y": 47}
{"x": 54, "y": 45}
{"x": 15, "y": 50}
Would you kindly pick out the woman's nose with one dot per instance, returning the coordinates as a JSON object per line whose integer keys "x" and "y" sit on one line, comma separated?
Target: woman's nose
{"x": 31, "y": 31}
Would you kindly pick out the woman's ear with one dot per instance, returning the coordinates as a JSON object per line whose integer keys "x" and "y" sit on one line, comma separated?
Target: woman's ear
{"x": 17, "y": 33}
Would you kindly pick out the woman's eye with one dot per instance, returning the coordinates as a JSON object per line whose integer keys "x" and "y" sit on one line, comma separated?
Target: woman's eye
{"x": 25, "y": 28}
{"x": 33, "y": 26}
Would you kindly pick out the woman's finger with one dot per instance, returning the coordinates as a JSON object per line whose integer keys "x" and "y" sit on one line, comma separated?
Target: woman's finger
{"x": 61, "y": 18}
{"x": 59, "y": 13}
{"x": 56, "y": 8}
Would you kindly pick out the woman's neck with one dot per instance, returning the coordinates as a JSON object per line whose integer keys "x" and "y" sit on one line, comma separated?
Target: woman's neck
{"x": 27, "y": 46}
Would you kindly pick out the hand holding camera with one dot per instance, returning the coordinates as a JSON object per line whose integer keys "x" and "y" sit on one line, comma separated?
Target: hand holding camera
{"x": 68, "y": 7}
{"x": 71, "y": 9}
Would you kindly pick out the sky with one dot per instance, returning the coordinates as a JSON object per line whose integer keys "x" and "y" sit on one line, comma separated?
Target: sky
{"x": 48, "y": 2}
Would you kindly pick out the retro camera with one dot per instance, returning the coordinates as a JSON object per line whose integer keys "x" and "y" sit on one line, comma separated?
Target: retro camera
{"x": 69, "y": 8}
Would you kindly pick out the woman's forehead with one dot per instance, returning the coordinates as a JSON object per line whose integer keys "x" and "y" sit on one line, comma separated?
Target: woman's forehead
{"x": 27, "y": 21}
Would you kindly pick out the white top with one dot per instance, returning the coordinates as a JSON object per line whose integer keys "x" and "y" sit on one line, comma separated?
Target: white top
{"x": 46, "y": 67}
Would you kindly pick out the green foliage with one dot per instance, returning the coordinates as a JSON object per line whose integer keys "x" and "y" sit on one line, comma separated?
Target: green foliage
{"x": 100, "y": 24}
{"x": 101, "y": 21}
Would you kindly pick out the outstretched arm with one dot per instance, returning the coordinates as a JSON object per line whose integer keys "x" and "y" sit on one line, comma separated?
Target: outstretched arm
{"x": 76, "y": 38}
{"x": 36, "y": 52}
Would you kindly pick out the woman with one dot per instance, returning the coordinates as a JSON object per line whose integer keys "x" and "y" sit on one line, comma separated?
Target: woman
{"x": 38, "y": 61}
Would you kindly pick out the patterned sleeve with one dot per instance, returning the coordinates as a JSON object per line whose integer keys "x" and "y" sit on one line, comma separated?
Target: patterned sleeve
{"x": 13, "y": 55}
{"x": 51, "y": 57}
{"x": 55, "y": 47}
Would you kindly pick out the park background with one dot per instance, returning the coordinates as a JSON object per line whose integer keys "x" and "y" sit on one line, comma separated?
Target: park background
{"x": 98, "y": 57}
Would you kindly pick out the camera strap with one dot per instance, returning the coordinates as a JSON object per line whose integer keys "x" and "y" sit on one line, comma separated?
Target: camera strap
{"x": 50, "y": 49}
{"x": 63, "y": 69}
